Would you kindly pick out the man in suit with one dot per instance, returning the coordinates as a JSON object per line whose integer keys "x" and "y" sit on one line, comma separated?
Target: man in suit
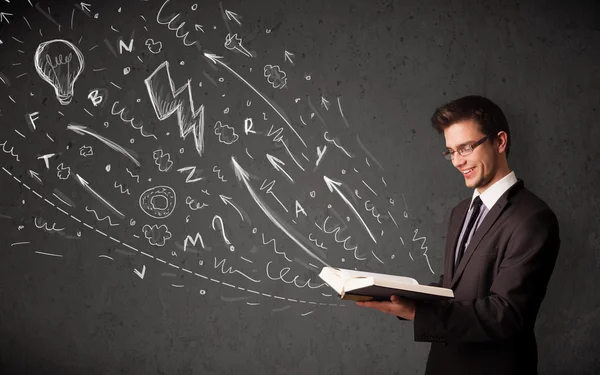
{"x": 501, "y": 249}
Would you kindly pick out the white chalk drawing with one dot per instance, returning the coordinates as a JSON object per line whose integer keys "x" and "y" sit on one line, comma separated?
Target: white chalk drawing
{"x": 86, "y": 151}
{"x": 423, "y": 247}
{"x": 275, "y": 76}
{"x": 137, "y": 177}
{"x": 269, "y": 188}
{"x": 217, "y": 60}
{"x": 335, "y": 142}
{"x": 226, "y": 133}
{"x": 11, "y": 151}
{"x": 162, "y": 160}
{"x": 98, "y": 197}
{"x": 153, "y": 47}
{"x": 192, "y": 174}
{"x": 284, "y": 271}
{"x": 193, "y": 204}
{"x": 315, "y": 242}
{"x": 122, "y": 113}
{"x": 59, "y": 62}
{"x": 335, "y": 232}
{"x": 166, "y": 100}
{"x": 156, "y": 235}
{"x": 120, "y": 187}
{"x": 158, "y": 202}
{"x": 95, "y": 97}
{"x": 222, "y": 229}
{"x": 248, "y": 126}
{"x": 99, "y": 219}
{"x": 229, "y": 202}
{"x": 163, "y": 262}
{"x": 278, "y": 165}
{"x": 299, "y": 209}
{"x": 82, "y": 130}
{"x": 230, "y": 270}
{"x": 278, "y": 137}
{"x": 233, "y": 16}
{"x": 194, "y": 240}
{"x": 234, "y": 43}
{"x": 292, "y": 233}
{"x": 325, "y": 103}
{"x": 320, "y": 154}
{"x": 172, "y": 25}
{"x": 275, "y": 247}
{"x": 288, "y": 56}
{"x": 373, "y": 211}
{"x": 44, "y": 225}
{"x": 142, "y": 273}
{"x": 63, "y": 172}
{"x": 334, "y": 185}
{"x": 35, "y": 176}
{"x": 218, "y": 172}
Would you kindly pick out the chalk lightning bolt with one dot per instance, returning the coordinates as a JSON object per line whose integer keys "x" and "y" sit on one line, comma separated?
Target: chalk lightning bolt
{"x": 171, "y": 100}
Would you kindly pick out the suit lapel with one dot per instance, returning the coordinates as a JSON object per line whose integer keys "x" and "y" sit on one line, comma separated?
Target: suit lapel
{"x": 484, "y": 227}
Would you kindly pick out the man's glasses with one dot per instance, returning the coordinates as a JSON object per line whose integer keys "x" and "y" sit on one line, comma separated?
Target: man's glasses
{"x": 464, "y": 150}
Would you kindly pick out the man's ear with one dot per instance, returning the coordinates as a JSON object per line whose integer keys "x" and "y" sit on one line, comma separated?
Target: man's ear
{"x": 501, "y": 141}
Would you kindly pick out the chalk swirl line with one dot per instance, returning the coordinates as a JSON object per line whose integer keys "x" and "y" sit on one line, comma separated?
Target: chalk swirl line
{"x": 98, "y": 218}
{"x": 136, "y": 176}
{"x": 10, "y": 152}
{"x": 121, "y": 114}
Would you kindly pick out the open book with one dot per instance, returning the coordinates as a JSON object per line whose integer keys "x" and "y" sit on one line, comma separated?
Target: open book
{"x": 367, "y": 286}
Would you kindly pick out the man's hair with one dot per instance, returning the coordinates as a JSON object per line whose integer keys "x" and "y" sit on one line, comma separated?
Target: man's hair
{"x": 488, "y": 116}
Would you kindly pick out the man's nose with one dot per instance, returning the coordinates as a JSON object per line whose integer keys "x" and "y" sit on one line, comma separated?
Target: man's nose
{"x": 458, "y": 160}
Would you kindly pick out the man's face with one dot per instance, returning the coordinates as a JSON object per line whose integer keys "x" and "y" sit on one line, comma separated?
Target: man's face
{"x": 479, "y": 168}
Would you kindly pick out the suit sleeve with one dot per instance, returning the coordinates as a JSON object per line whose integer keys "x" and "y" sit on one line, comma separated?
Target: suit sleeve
{"x": 515, "y": 296}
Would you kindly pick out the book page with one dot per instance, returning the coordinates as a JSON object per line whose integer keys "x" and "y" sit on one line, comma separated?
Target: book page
{"x": 350, "y": 274}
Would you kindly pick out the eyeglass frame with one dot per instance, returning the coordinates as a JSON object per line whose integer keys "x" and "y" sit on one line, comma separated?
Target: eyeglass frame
{"x": 449, "y": 155}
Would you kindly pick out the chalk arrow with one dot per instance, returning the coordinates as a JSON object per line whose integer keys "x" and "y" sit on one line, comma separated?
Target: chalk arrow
{"x": 325, "y": 103}
{"x": 334, "y": 185}
{"x": 198, "y": 27}
{"x": 87, "y": 187}
{"x": 278, "y": 164}
{"x": 228, "y": 201}
{"x": 140, "y": 274}
{"x": 35, "y": 176}
{"x": 3, "y": 16}
{"x": 216, "y": 60}
{"x": 231, "y": 15}
{"x": 288, "y": 56}
{"x": 85, "y": 6}
{"x": 291, "y": 232}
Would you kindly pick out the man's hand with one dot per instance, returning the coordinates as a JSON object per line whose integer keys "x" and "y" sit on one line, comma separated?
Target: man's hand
{"x": 402, "y": 307}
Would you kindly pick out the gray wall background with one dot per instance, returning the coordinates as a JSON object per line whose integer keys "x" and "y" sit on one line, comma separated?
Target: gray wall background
{"x": 389, "y": 64}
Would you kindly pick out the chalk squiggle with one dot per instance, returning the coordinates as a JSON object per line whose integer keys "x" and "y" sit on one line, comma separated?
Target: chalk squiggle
{"x": 275, "y": 247}
{"x": 136, "y": 176}
{"x": 231, "y": 270}
{"x": 104, "y": 218}
{"x": 284, "y": 271}
{"x": 121, "y": 114}
{"x": 45, "y": 226}
{"x": 335, "y": 232}
{"x": 10, "y": 152}
{"x": 120, "y": 187}
{"x": 316, "y": 243}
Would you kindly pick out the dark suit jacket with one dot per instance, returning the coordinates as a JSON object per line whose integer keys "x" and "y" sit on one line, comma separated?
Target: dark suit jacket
{"x": 488, "y": 328}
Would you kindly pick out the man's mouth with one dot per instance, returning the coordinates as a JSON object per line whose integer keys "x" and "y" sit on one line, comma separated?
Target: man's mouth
{"x": 468, "y": 172}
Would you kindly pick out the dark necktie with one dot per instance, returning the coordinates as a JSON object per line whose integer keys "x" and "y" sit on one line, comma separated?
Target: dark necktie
{"x": 461, "y": 249}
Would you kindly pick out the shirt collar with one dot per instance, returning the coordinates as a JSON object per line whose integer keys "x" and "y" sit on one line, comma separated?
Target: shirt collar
{"x": 491, "y": 195}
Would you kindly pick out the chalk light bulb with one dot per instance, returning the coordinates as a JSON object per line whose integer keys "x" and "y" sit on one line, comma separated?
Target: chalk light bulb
{"x": 59, "y": 63}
